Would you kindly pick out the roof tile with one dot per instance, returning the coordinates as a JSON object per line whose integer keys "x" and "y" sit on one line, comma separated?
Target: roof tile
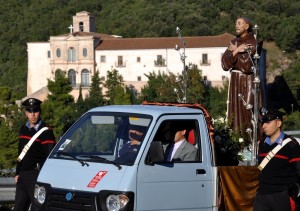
{"x": 163, "y": 42}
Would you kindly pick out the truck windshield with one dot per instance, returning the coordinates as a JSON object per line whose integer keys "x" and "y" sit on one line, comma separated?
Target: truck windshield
{"x": 113, "y": 138}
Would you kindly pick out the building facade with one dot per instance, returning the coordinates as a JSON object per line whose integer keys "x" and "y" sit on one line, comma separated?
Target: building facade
{"x": 82, "y": 52}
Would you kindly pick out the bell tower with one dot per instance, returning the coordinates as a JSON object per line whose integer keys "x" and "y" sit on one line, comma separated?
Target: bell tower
{"x": 84, "y": 22}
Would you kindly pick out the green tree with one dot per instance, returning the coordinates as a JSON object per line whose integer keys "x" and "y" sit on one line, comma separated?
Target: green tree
{"x": 160, "y": 87}
{"x": 10, "y": 122}
{"x": 81, "y": 105}
{"x": 95, "y": 97}
{"x": 8, "y": 145}
{"x": 289, "y": 26}
{"x": 163, "y": 87}
{"x": 58, "y": 110}
{"x": 113, "y": 83}
{"x": 133, "y": 94}
{"x": 217, "y": 101}
{"x": 291, "y": 122}
{"x": 122, "y": 96}
{"x": 292, "y": 77}
{"x": 196, "y": 90}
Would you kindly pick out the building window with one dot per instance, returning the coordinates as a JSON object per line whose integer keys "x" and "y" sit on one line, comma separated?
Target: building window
{"x": 160, "y": 61}
{"x": 48, "y": 54}
{"x": 71, "y": 55}
{"x": 139, "y": 78}
{"x": 85, "y": 75}
{"x": 81, "y": 26}
{"x": 138, "y": 59}
{"x": 58, "y": 52}
{"x": 72, "y": 77}
{"x": 120, "y": 62}
{"x": 102, "y": 59}
{"x": 84, "y": 52}
{"x": 205, "y": 60}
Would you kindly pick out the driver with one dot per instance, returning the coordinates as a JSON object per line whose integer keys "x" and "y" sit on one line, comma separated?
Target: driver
{"x": 129, "y": 150}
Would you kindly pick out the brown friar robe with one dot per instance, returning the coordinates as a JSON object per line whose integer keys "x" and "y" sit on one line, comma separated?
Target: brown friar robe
{"x": 241, "y": 83}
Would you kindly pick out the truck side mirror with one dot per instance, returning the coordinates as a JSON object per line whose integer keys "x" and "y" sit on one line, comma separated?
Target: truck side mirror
{"x": 156, "y": 153}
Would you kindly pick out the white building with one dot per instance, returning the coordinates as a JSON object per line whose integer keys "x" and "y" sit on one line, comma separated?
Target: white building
{"x": 82, "y": 52}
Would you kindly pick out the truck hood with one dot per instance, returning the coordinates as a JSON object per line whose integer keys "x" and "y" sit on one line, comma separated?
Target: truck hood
{"x": 70, "y": 174}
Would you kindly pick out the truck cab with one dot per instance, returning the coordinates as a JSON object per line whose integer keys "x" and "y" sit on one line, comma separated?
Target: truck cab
{"x": 87, "y": 171}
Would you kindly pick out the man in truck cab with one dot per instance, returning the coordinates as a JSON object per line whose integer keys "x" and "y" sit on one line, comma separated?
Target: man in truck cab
{"x": 279, "y": 162}
{"x": 180, "y": 149}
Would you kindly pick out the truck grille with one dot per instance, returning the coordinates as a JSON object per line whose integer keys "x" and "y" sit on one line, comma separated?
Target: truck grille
{"x": 84, "y": 201}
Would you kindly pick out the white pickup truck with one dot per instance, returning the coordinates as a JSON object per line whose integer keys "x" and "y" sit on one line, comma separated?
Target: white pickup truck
{"x": 84, "y": 171}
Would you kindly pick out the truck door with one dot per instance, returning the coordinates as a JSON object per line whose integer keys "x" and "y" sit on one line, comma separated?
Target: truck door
{"x": 177, "y": 185}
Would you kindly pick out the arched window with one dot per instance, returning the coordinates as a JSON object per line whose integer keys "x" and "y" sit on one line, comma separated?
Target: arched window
{"x": 58, "y": 52}
{"x": 84, "y": 52}
{"x": 81, "y": 26}
{"x": 72, "y": 77}
{"x": 85, "y": 78}
{"x": 71, "y": 55}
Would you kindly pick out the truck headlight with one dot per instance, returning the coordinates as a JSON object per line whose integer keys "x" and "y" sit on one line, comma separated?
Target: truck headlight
{"x": 40, "y": 194}
{"x": 116, "y": 202}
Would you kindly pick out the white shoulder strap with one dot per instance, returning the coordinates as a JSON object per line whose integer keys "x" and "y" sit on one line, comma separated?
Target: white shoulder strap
{"x": 28, "y": 145}
{"x": 272, "y": 153}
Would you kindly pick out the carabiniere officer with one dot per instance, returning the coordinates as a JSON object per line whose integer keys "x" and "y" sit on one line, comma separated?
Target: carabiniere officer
{"x": 28, "y": 166}
{"x": 280, "y": 168}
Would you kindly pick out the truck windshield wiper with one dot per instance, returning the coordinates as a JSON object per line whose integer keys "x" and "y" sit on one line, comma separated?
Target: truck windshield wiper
{"x": 72, "y": 156}
{"x": 102, "y": 159}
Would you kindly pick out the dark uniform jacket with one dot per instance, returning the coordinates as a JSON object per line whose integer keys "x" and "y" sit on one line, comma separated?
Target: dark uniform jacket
{"x": 39, "y": 150}
{"x": 282, "y": 170}
{"x": 128, "y": 153}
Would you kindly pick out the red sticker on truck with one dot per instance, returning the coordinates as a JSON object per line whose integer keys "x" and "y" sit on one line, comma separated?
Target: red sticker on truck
{"x": 96, "y": 179}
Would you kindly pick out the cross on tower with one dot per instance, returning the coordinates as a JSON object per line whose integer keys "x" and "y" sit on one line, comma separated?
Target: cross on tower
{"x": 71, "y": 29}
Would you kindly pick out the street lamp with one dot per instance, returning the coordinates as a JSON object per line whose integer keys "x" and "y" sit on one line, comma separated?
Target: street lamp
{"x": 184, "y": 82}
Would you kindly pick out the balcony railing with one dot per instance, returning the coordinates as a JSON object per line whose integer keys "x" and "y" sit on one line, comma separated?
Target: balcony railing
{"x": 120, "y": 64}
{"x": 160, "y": 63}
{"x": 205, "y": 62}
